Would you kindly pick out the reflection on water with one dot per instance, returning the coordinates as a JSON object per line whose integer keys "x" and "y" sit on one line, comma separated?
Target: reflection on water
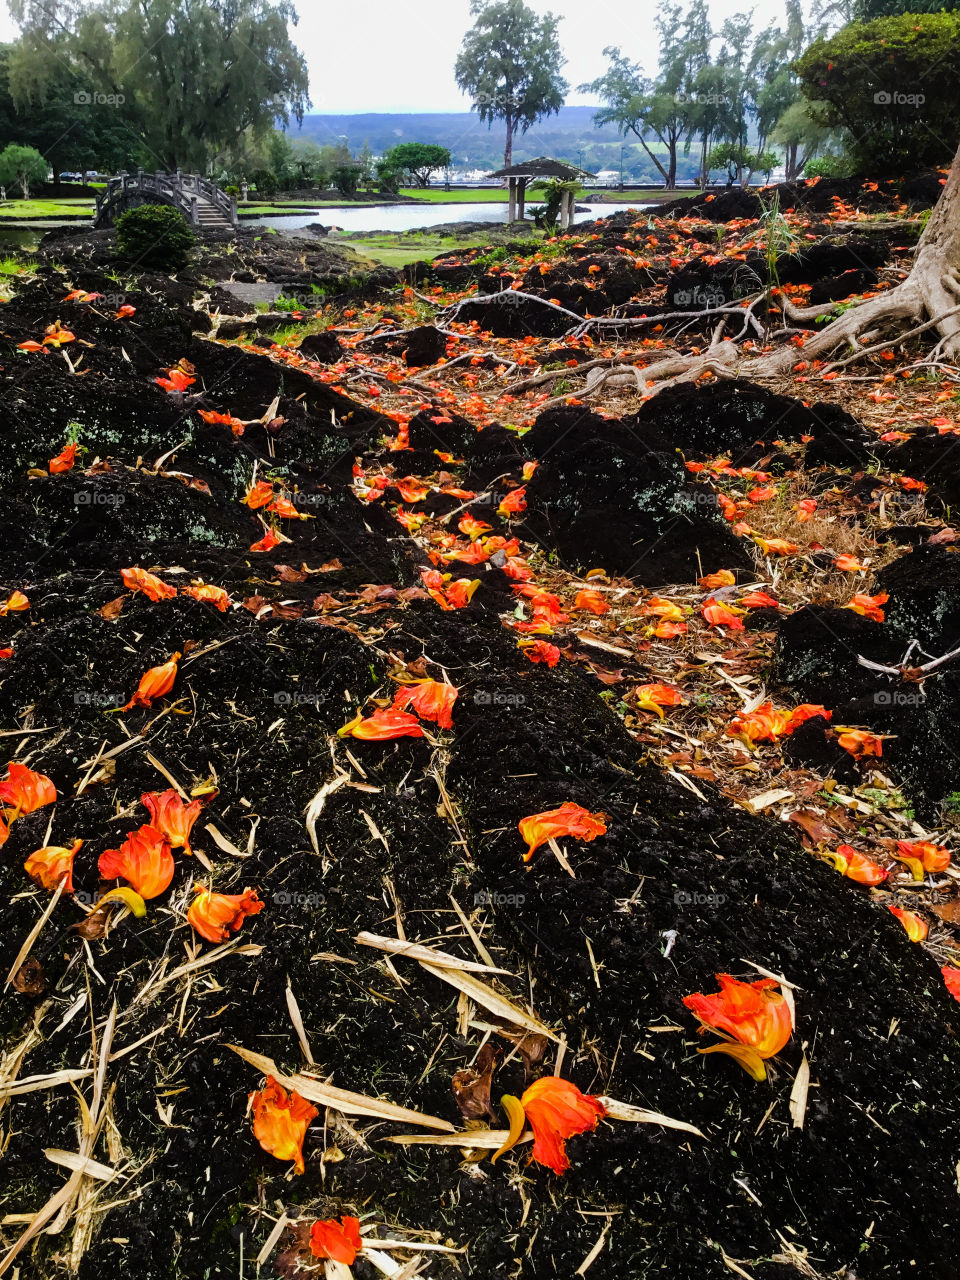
{"x": 400, "y": 217}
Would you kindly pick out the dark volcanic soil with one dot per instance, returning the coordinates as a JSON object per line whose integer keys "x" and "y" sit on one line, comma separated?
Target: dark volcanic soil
{"x": 867, "y": 1188}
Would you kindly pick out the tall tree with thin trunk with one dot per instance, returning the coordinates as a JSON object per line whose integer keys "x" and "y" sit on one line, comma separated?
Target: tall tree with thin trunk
{"x": 510, "y": 63}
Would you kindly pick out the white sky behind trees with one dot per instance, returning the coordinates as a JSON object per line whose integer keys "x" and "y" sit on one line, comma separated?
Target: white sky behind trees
{"x": 398, "y": 55}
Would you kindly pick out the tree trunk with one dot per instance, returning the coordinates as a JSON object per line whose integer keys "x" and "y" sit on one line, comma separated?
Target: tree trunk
{"x": 937, "y": 265}
{"x": 508, "y": 149}
{"x": 661, "y": 170}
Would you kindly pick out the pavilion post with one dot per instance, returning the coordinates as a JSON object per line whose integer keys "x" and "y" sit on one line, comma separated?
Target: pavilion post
{"x": 521, "y": 197}
{"x": 512, "y": 201}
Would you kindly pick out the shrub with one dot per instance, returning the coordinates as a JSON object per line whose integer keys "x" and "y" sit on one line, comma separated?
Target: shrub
{"x": 889, "y": 85}
{"x": 828, "y": 167}
{"x": 154, "y": 235}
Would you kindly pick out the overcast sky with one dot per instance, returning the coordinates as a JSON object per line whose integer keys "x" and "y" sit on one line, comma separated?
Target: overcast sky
{"x": 388, "y": 55}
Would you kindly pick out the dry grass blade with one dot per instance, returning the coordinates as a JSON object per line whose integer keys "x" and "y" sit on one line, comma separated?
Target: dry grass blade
{"x": 221, "y": 841}
{"x": 34, "y": 934}
{"x": 80, "y": 1164}
{"x": 490, "y": 1000}
{"x": 476, "y": 1139}
{"x": 270, "y": 1243}
{"x": 316, "y": 806}
{"x": 30, "y": 1084}
{"x": 593, "y": 1255}
{"x": 617, "y": 1110}
{"x": 430, "y": 955}
{"x": 351, "y": 1104}
{"x": 294, "y": 1010}
{"x": 799, "y": 1092}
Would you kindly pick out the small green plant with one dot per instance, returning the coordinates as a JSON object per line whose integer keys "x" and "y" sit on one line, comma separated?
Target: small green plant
{"x": 154, "y": 235}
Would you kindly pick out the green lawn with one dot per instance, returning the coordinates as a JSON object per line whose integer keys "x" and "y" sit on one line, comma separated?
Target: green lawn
{"x": 22, "y": 209}
{"x": 398, "y": 249}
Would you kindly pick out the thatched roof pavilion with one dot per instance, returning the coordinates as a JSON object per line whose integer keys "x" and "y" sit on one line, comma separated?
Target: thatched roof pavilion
{"x": 518, "y": 175}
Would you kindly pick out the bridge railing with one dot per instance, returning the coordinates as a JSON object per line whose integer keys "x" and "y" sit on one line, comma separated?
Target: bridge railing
{"x": 183, "y": 190}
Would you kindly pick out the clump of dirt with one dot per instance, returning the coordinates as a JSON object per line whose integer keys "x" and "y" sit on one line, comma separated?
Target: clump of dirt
{"x": 603, "y": 496}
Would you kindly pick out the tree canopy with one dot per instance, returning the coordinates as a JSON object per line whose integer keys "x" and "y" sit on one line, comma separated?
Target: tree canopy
{"x": 188, "y": 78}
{"x": 510, "y": 63}
{"x": 419, "y": 159}
{"x": 23, "y": 166}
{"x": 889, "y": 86}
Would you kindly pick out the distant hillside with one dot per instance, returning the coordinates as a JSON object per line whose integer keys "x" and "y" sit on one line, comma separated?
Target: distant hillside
{"x": 570, "y": 136}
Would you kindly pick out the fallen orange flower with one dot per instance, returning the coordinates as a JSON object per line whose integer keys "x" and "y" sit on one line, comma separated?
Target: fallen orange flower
{"x": 800, "y": 715}
{"x": 653, "y": 697}
{"x": 921, "y": 856}
{"x": 382, "y": 725}
{"x": 171, "y": 817}
{"x": 125, "y": 312}
{"x": 280, "y": 1121}
{"x": 805, "y": 509}
{"x": 765, "y": 724}
{"x": 267, "y": 542}
{"x": 208, "y": 595}
{"x": 411, "y": 489}
{"x": 151, "y": 586}
{"x": 719, "y": 616}
{"x": 513, "y": 503}
{"x": 337, "y": 1240}
{"x": 669, "y": 630}
{"x": 665, "y": 609}
{"x": 236, "y": 425}
{"x": 154, "y": 683}
{"x": 16, "y": 602}
{"x": 461, "y": 592}
{"x": 430, "y": 699}
{"x": 258, "y": 495}
{"x": 713, "y": 581}
{"x": 556, "y": 1110}
{"x": 216, "y": 915}
{"x": 916, "y": 927}
{"x": 757, "y": 600}
{"x": 951, "y": 977}
{"x": 143, "y": 860}
{"x": 53, "y": 865}
{"x": 869, "y": 606}
{"x": 857, "y": 866}
{"x": 776, "y": 546}
{"x": 32, "y": 346}
{"x": 569, "y": 820}
{"x": 860, "y": 743}
{"x": 473, "y": 527}
{"x": 58, "y": 336}
{"x": 755, "y": 1017}
{"x": 540, "y": 651}
{"x": 63, "y": 461}
{"x": 176, "y": 380}
{"x": 591, "y": 600}
{"x": 25, "y": 790}
{"x": 849, "y": 564}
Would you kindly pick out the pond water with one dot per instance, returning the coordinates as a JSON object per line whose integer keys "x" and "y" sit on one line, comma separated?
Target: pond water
{"x": 400, "y": 217}
{"x": 391, "y": 218}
